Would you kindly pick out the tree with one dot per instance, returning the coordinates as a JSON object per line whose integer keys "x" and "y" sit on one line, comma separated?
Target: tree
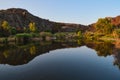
{"x": 79, "y": 34}
{"x": 116, "y": 33}
{"x": 13, "y": 30}
{"x": 104, "y": 26}
{"x": 26, "y": 30}
{"x": 5, "y": 25}
{"x": 32, "y": 27}
{"x": 4, "y": 29}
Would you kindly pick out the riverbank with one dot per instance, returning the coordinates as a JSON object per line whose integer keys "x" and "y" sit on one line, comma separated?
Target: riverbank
{"x": 42, "y": 36}
{"x": 47, "y": 36}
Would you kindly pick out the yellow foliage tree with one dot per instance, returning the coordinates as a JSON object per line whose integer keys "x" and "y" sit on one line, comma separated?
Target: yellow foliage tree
{"x": 32, "y": 27}
{"x": 32, "y": 50}
{"x": 5, "y": 25}
{"x": 79, "y": 34}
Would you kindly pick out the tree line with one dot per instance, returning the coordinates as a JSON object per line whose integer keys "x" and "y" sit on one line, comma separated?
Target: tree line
{"x": 7, "y": 30}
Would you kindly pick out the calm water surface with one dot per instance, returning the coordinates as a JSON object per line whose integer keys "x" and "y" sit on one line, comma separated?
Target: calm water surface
{"x": 60, "y": 61}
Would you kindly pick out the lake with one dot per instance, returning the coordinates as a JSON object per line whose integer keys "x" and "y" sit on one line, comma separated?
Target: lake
{"x": 60, "y": 61}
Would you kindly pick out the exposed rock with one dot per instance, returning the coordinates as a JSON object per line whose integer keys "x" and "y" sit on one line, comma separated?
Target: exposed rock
{"x": 116, "y": 21}
{"x": 20, "y": 18}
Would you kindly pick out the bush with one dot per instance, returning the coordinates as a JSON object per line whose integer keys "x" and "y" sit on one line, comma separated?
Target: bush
{"x": 35, "y": 35}
{"x": 23, "y": 38}
{"x": 44, "y": 34}
{"x": 116, "y": 33}
{"x": 89, "y": 35}
{"x": 60, "y": 35}
{"x": 5, "y": 40}
{"x": 23, "y": 35}
{"x": 79, "y": 34}
{"x": 66, "y": 35}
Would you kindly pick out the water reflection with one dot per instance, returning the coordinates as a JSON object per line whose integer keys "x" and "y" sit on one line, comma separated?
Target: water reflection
{"x": 22, "y": 54}
{"x": 107, "y": 49}
{"x": 102, "y": 48}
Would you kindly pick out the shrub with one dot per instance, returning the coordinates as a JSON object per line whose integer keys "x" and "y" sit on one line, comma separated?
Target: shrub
{"x": 79, "y": 34}
{"x": 60, "y": 35}
{"x": 23, "y": 35}
{"x": 44, "y": 34}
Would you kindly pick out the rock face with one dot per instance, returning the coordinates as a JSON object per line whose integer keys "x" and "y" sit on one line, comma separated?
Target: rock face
{"x": 21, "y": 18}
{"x": 116, "y": 21}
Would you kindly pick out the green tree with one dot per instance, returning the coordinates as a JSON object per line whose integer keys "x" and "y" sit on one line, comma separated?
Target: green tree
{"x": 13, "y": 30}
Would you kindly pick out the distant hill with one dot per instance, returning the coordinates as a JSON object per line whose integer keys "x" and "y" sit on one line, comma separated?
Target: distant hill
{"x": 113, "y": 20}
{"x": 20, "y": 18}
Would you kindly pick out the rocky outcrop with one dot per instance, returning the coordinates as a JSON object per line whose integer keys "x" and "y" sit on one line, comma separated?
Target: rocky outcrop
{"x": 116, "y": 21}
{"x": 20, "y": 18}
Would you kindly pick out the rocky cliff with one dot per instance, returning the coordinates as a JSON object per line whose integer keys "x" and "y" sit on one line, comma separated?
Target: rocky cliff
{"x": 20, "y": 18}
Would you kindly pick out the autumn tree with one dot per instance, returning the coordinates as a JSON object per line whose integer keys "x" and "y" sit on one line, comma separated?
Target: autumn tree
{"x": 104, "y": 26}
{"x": 116, "y": 33}
{"x": 79, "y": 34}
{"x": 32, "y": 27}
{"x": 5, "y": 25}
{"x": 4, "y": 29}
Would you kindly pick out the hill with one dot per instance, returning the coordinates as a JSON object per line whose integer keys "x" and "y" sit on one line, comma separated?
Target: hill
{"x": 20, "y": 18}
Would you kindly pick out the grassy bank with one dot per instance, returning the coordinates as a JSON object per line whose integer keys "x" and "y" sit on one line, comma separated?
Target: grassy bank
{"x": 42, "y": 36}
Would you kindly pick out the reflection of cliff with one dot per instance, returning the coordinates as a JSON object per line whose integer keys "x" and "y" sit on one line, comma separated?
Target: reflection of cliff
{"x": 18, "y": 55}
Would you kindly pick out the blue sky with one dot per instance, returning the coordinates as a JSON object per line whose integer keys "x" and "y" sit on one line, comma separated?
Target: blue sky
{"x": 70, "y": 11}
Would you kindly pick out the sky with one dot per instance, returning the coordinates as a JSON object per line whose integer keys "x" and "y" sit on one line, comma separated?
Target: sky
{"x": 69, "y": 11}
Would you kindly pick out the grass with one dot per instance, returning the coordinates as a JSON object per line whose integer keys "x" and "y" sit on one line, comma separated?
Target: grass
{"x": 23, "y": 35}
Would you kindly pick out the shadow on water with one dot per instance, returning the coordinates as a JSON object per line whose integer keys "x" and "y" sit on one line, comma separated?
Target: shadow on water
{"x": 15, "y": 55}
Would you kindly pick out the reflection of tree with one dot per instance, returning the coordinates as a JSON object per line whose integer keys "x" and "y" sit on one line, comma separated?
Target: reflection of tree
{"x": 80, "y": 42}
{"x": 32, "y": 50}
{"x": 104, "y": 49}
{"x": 117, "y": 58}
{"x": 19, "y": 55}
{"x": 6, "y": 53}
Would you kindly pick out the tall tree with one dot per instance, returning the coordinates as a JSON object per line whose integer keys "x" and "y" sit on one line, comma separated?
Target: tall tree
{"x": 32, "y": 27}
